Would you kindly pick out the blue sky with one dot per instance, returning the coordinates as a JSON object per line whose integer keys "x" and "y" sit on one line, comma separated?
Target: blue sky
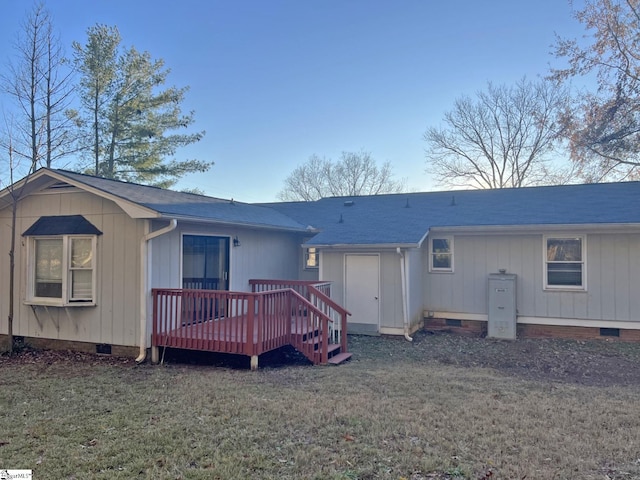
{"x": 274, "y": 81}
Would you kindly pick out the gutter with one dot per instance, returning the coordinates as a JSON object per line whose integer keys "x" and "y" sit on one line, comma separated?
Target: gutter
{"x": 235, "y": 223}
{"x": 363, "y": 246}
{"x": 144, "y": 242}
{"x": 405, "y": 303}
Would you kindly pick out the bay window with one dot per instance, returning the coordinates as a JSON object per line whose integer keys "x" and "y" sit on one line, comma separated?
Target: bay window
{"x": 62, "y": 270}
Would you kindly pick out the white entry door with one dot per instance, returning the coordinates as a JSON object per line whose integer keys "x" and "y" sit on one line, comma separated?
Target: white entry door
{"x": 362, "y": 292}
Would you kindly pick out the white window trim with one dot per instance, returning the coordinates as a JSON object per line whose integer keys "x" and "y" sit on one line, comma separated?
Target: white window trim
{"x": 436, "y": 269}
{"x": 545, "y": 276}
{"x": 65, "y": 300}
{"x": 305, "y": 255}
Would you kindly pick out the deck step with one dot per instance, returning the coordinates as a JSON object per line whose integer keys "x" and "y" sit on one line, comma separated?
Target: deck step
{"x": 340, "y": 358}
{"x": 332, "y": 348}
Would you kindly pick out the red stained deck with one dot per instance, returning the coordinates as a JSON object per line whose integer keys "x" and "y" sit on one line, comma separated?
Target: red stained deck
{"x": 275, "y": 314}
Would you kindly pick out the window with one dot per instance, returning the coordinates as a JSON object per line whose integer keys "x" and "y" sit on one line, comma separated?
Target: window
{"x": 311, "y": 258}
{"x": 62, "y": 270}
{"x": 441, "y": 254}
{"x": 564, "y": 262}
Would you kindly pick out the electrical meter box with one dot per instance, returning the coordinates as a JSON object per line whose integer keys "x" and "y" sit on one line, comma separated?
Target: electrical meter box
{"x": 502, "y": 306}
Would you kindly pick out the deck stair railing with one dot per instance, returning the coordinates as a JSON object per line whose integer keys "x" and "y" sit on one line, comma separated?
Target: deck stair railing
{"x": 274, "y": 314}
{"x": 319, "y": 294}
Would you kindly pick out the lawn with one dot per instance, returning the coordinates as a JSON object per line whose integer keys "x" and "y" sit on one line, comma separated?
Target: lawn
{"x": 441, "y": 407}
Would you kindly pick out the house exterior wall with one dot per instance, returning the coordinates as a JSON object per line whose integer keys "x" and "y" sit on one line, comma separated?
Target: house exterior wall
{"x": 114, "y": 318}
{"x": 415, "y": 291}
{"x": 612, "y": 295}
{"x": 332, "y": 268}
{"x": 261, "y": 254}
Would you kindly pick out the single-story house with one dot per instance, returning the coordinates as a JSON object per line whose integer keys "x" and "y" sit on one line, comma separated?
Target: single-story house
{"x": 571, "y": 254}
{"x": 112, "y": 266}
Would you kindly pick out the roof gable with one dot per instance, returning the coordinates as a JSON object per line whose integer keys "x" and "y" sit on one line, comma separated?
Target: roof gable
{"x": 142, "y": 201}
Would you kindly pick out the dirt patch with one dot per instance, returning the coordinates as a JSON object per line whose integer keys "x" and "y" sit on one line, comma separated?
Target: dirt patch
{"x": 595, "y": 363}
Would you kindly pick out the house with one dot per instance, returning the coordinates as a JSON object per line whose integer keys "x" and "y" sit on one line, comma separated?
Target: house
{"x": 572, "y": 251}
{"x": 111, "y": 266}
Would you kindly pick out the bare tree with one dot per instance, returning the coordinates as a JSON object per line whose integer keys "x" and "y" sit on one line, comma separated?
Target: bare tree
{"x": 15, "y": 191}
{"x": 604, "y": 126}
{"x": 39, "y": 81}
{"x": 503, "y": 138}
{"x": 356, "y": 173}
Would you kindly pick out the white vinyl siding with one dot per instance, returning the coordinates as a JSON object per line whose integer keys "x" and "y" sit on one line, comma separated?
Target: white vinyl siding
{"x": 612, "y": 268}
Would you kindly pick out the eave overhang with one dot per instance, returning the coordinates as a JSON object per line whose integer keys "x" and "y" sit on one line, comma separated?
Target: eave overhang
{"x": 539, "y": 228}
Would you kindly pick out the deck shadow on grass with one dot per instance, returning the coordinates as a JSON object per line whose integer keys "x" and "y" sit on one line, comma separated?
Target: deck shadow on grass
{"x": 286, "y": 356}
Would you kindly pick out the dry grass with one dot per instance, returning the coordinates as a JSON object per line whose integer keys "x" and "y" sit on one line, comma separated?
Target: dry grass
{"x": 396, "y": 411}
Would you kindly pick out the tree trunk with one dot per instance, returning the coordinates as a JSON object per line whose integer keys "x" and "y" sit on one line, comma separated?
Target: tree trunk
{"x": 12, "y": 268}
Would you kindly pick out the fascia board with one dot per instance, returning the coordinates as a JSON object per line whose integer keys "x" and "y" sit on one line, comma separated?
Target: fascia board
{"x": 518, "y": 229}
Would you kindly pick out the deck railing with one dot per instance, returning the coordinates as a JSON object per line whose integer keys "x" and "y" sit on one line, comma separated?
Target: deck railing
{"x": 240, "y": 323}
{"x": 319, "y": 294}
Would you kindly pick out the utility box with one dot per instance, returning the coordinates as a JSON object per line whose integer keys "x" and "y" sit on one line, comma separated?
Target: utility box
{"x": 502, "y": 306}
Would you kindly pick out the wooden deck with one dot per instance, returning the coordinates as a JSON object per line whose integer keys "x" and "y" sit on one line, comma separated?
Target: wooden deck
{"x": 252, "y": 323}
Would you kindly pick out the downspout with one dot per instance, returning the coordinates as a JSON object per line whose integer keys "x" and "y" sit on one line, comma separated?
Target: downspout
{"x": 405, "y": 303}
{"x": 144, "y": 284}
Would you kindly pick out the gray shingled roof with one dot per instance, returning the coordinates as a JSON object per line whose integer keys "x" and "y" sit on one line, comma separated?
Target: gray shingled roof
{"x": 197, "y": 207}
{"x": 398, "y": 219}
{"x": 406, "y": 218}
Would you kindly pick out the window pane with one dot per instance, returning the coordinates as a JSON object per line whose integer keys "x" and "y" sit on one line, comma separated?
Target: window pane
{"x": 81, "y": 284}
{"x": 81, "y": 253}
{"x": 441, "y": 260}
{"x": 205, "y": 262}
{"x": 564, "y": 249}
{"x": 564, "y": 274}
{"x": 441, "y": 245}
{"x": 48, "y": 268}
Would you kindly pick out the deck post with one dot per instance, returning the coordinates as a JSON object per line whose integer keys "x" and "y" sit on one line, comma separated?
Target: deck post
{"x": 155, "y": 355}
{"x": 254, "y": 362}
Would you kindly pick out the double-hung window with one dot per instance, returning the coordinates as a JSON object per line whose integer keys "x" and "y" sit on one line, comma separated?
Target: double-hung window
{"x": 564, "y": 262}
{"x": 61, "y": 261}
{"x": 311, "y": 258}
{"x": 441, "y": 254}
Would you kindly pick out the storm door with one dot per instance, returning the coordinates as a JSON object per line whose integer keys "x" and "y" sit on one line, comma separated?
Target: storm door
{"x": 205, "y": 262}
